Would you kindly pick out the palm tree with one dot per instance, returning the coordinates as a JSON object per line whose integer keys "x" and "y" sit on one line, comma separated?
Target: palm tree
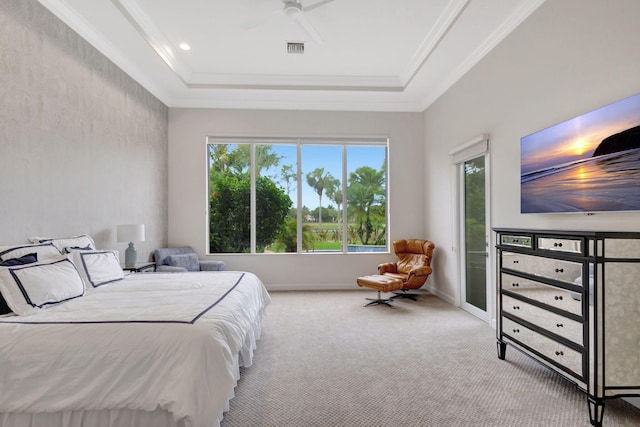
{"x": 289, "y": 176}
{"x": 265, "y": 158}
{"x": 287, "y": 238}
{"x": 334, "y": 191}
{"x": 318, "y": 181}
{"x": 366, "y": 189}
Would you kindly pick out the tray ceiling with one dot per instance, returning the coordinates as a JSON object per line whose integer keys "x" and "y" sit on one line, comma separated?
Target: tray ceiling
{"x": 369, "y": 55}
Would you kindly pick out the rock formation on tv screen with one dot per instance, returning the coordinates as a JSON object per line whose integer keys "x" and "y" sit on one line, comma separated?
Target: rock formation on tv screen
{"x": 622, "y": 141}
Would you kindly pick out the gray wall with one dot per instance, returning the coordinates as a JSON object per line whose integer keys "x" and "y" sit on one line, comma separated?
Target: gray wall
{"x": 568, "y": 58}
{"x": 188, "y": 129}
{"x": 83, "y": 147}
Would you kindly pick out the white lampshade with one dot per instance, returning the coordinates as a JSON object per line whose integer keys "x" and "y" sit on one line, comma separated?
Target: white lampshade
{"x": 130, "y": 233}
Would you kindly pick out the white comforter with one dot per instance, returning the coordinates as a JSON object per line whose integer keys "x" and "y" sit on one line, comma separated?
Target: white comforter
{"x": 167, "y": 341}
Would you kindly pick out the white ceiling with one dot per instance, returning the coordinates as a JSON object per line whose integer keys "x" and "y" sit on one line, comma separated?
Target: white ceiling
{"x": 375, "y": 55}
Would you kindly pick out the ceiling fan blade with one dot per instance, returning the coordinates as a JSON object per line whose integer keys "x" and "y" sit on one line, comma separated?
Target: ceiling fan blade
{"x": 302, "y": 21}
{"x": 308, "y": 5}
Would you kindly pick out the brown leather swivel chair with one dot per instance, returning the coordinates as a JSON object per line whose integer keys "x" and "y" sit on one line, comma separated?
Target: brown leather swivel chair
{"x": 413, "y": 266}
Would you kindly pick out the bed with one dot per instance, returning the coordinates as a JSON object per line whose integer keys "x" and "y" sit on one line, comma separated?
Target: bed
{"x": 145, "y": 349}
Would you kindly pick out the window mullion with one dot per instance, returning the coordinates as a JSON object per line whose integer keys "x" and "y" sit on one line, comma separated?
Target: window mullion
{"x": 345, "y": 225}
{"x": 253, "y": 202}
{"x": 299, "y": 197}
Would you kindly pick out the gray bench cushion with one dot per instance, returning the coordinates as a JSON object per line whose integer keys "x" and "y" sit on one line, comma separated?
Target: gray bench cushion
{"x": 187, "y": 261}
{"x": 161, "y": 255}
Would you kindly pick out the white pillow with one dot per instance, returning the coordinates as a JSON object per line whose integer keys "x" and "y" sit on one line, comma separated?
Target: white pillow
{"x": 44, "y": 251}
{"x": 97, "y": 268}
{"x": 82, "y": 241}
{"x": 32, "y": 287}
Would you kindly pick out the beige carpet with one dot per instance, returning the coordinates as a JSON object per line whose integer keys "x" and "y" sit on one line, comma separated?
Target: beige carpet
{"x": 325, "y": 360}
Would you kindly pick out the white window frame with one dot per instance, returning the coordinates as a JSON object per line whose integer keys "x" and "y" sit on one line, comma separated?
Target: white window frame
{"x": 299, "y": 142}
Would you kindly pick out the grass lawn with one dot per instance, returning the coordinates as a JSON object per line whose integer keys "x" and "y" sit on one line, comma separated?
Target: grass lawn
{"x": 327, "y": 246}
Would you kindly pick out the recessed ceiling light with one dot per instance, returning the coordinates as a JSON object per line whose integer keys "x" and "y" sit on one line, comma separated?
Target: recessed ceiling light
{"x": 185, "y": 46}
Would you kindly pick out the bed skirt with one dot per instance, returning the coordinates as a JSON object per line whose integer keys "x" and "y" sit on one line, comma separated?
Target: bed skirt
{"x": 125, "y": 417}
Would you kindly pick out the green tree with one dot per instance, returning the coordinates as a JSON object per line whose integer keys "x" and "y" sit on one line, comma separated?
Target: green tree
{"x": 229, "y": 215}
{"x": 288, "y": 236}
{"x": 475, "y": 204}
{"x": 230, "y": 199}
{"x": 222, "y": 160}
{"x": 226, "y": 158}
{"x": 289, "y": 176}
{"x": 318, "y": 180}
{"x": 366, "y": 190}
{"x": 334, "y": 192}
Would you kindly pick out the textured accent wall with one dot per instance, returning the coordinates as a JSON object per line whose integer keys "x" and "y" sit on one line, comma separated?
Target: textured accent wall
{"x": 83, "y": 147}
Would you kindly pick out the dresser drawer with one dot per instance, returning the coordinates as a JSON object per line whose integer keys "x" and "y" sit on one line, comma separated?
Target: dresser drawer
{"x": 564, "y": 271}
{"x": 519, "y": 241}
{"x": 559, "y": 325}
{"x": 561, "y": 354}
{"x": 573, "y": 246}
{"x": 547, "y": 294}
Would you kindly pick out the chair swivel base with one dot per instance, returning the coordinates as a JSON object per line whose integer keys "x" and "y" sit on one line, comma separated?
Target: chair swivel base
{"x": 378, "y": 301}
{"x": 404, "y": 294}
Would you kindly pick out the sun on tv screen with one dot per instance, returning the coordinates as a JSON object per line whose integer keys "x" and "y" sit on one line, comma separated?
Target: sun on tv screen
{"x": 587, "y": 164}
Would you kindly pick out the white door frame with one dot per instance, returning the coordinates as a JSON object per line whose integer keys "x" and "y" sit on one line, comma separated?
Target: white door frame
{"x": 476, "y": 147}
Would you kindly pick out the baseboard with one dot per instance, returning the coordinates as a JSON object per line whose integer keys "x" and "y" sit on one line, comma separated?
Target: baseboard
{"x": 314, "y": 287}
{"x": 442, "y": 296}
{"x": 274, "y": 287}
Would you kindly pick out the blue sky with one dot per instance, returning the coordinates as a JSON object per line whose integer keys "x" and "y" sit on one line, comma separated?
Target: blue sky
{"x": 328, "y": 157}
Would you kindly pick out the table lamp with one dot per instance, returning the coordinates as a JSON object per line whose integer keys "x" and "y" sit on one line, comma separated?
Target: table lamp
{"x": 130, "y": 233}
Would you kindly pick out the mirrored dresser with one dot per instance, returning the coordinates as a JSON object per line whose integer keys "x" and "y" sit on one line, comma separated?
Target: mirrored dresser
{"x": 571, "y": 301}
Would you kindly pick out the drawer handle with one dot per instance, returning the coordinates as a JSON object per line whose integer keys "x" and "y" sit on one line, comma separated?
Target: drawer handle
{"x": 515, "y": 261}
{"x": 516, "y": 331}
{"x": 559, "y": 270}
{"x": 558, "y": 297}
{"x": 559, "y": 353}
{"x": 557, "y": 245}
{"x": 515, "y": 285}
{"x": 559, "y": 325}
{"x": 516, "y": 307}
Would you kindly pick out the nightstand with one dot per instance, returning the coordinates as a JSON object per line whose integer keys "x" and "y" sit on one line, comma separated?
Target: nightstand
{"x": 140, "y": 267}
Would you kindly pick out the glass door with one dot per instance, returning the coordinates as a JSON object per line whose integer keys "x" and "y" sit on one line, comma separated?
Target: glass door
{"x": 474, "y": 233}
{"x": 472, "y": 209}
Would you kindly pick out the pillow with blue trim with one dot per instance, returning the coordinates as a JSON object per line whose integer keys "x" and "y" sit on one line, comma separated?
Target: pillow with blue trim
{"x": 30, "y": 288}
{"x": 80, "y": 241}
{"x": 97, "y": 268}
{"x": 188, "y": 261}
{"x": 25, "y": 259}
{"x": 42, "y": 250}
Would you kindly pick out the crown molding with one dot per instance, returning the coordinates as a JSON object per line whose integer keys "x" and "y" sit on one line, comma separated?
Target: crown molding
{"x": 68, "y": 15}
{"x": 444, "y": 22}
{"x": 515, "y": 19}
{"x": 237, "y": 102}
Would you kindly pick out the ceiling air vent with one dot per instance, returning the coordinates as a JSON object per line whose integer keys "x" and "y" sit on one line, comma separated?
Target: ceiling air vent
{"x": 295, "y": 47}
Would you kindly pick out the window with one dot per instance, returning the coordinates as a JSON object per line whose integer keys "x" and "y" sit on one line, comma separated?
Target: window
{"x": 297, "y": 195}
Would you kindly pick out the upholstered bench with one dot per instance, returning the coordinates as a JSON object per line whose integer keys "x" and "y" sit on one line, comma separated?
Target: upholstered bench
{"x": 381, "y": 284}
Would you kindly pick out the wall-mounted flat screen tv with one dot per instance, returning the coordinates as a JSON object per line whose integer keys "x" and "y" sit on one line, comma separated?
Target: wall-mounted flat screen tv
{"x": 587, "y": 164}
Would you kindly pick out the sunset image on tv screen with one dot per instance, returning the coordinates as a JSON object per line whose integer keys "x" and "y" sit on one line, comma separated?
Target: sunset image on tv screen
{"x": 587, "y": 164}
